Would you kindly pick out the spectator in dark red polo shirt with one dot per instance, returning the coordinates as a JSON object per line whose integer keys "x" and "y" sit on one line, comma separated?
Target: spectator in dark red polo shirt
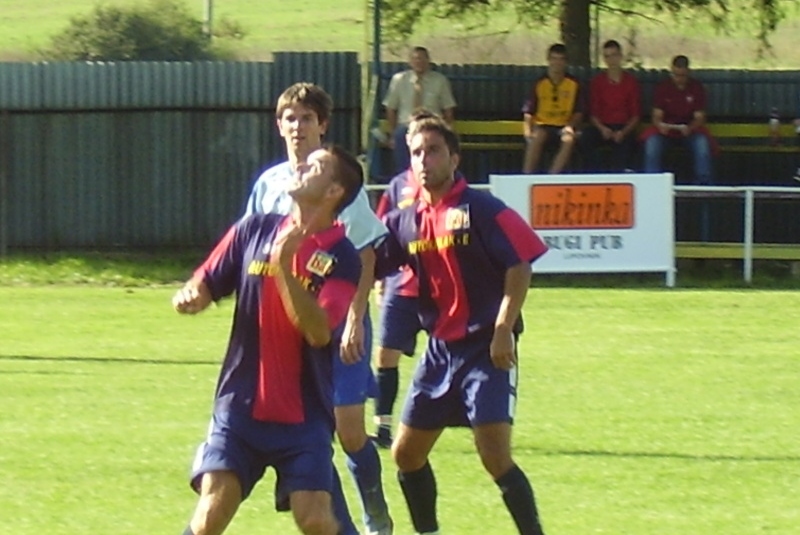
{"x": 679, "y": 118}
{"x": 614, "y": 113}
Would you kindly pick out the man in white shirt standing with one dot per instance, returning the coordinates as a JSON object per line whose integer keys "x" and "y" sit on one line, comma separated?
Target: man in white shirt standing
{"x": 409, "y": 91}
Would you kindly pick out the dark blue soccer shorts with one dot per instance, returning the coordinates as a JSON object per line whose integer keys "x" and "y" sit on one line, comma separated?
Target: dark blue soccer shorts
{"x": 301, "y": 454}
{"x": 354, "y": 383}
{"x": 398, "y": 323}
{"x": 456, "y": 384}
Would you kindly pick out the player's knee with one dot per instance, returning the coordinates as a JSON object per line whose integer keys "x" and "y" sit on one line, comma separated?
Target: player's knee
{"x": 406, "y": 459}
{"x": 212, "y": 514}
{"x": 316, "y": 521}
{"x": 351, "y": 437}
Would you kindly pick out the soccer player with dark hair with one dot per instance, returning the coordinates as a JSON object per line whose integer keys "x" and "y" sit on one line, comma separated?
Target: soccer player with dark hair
{"x": 294, "y": 277}
{"x": 472, "y": 255}
{"x": 302, "y": 114}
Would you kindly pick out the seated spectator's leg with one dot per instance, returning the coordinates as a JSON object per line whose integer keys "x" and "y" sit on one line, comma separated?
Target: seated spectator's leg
{"x": 401, "y": 157}
{"x": 626, "y": 151}
{"x": 589, "y": 143}
{"x": 701, "y": 152}
{"x": 533, "y": 150}
{"x": 563, "y": 154}
{"x": 653, "y": 152}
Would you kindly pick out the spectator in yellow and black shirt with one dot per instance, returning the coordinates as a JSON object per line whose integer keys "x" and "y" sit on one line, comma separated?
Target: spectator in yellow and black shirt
{"x": 552, "y": 113}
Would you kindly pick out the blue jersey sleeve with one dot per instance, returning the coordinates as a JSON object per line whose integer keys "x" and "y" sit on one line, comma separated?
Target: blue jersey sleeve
{"x": 391, "y": 254}
{"x": 507, "y": 238}
{"x": 362, "y": 226}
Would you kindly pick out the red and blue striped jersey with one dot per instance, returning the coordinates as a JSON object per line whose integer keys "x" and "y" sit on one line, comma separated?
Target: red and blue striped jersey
{"x": 270, "y": 373}
{"x": 460, "y": 249}
{"x": 401, "y": 192}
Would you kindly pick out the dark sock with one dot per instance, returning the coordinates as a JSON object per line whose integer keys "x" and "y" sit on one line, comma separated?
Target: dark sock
{"x": 519, "y": 499}
{"x": 365, "y": 465}
{"x": 188, "y": 531}
{"x": 419, "y": 489}
{"x": 340, "y": 510}
{"x": 388, "y": 379}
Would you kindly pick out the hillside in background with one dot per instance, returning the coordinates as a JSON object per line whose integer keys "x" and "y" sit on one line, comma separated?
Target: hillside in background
{"x": 321, "y": 25}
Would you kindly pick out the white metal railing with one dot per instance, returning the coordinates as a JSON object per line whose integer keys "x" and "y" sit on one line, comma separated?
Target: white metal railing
{"x": 749, "y": 194}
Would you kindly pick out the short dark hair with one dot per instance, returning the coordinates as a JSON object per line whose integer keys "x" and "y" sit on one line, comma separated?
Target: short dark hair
{"x": 310, "y": 95}
{"x": 612, "y": 43}
{"x": 438, "y": 125}
{"x": 348, "y": 173}
{"x": 557, "y": 48}
{"x": 682, "y": 62}
{"x": 421, "y": 49}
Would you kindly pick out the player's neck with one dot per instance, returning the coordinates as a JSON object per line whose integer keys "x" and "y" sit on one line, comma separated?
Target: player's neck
{"x": 434, "y": 194}
{"x": 312, "y": 219}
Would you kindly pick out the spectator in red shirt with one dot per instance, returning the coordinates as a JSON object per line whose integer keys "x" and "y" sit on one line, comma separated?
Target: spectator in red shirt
{"x": 679, "y": 118}
{"x": 614, "y": 113}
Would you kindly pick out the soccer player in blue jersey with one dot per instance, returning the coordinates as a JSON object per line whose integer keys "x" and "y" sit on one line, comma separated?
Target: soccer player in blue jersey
{"x": 302, "y": 114}
{"x": 294, "y": 277}
{"x": 398, "y": 321}
{"x": 472, "y": 255}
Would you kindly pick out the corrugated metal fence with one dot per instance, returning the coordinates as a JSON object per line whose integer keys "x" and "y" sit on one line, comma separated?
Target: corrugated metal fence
{"x": 147, "y": 154}
{"x": 163, "y": 154}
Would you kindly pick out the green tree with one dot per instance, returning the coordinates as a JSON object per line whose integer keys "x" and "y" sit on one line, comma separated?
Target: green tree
{"x": 160, "y": 30}
{"x": 401, "y": 16}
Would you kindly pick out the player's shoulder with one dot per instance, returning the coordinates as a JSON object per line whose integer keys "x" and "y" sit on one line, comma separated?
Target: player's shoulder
{"x": 278, "y": 171}
{"x": 572, "y": 78}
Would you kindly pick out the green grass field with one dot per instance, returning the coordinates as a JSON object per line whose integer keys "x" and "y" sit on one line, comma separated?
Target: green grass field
{"x": 642, "y": 411}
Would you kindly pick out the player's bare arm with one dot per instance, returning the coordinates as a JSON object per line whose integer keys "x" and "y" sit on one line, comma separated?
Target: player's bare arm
{"x": 300, "y": 305}
{"x": 515, "y": 289}
{"x": 194, "y": 297}
{"x": 353, "y": 337}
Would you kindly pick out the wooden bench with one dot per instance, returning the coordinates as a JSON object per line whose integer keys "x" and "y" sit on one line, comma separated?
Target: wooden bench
{"x": 733, "y": 137}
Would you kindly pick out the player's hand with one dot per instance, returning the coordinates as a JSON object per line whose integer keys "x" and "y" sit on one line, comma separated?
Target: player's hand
{"x": 502, "y": 350}
{"x": 287, "y": 244}
{"x": 352, "y": 346}
{"x": 192, "y": 298}
{"x": 685, "y": 130}
{"x": 663, "y": 129}
{"x": 607, "y": 133}
{"x": 617, "y": 136}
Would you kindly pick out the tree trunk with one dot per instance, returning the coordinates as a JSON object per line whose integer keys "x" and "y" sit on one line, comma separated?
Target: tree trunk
{"x": 576, "y": 31}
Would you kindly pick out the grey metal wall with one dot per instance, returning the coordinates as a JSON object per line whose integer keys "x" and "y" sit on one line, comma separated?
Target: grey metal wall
{"x": 154, "y": 154}
{"x": 147, "y": 154}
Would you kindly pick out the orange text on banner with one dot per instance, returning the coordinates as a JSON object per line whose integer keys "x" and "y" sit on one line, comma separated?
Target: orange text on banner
{"x": 582, "y": 206}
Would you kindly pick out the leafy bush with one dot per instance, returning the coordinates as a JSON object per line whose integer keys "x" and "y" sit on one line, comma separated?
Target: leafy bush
{"x": 161, "y": 30}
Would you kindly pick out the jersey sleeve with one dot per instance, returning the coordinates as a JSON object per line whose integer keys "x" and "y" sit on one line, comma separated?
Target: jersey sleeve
{"x": 339, "y": 289}
{"x": 254, "y": 200}
{"x": 391, "y": 255}
{"x": 222, "y": 268}
{"x": 362, "y": 226}
{"x": 509, "y": 240}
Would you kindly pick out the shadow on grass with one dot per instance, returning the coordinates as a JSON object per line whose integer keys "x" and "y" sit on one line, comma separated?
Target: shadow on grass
{"x": 662, "y": 455}
{"x": 31, "y": 358}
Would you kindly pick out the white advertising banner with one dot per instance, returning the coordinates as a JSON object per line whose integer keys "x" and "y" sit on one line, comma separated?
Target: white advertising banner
{"x": 609, "y": 223}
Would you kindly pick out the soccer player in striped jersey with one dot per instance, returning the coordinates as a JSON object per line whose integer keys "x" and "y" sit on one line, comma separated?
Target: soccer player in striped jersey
{"x": 472, "y": 256}
{"x": 294, "y": 277}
